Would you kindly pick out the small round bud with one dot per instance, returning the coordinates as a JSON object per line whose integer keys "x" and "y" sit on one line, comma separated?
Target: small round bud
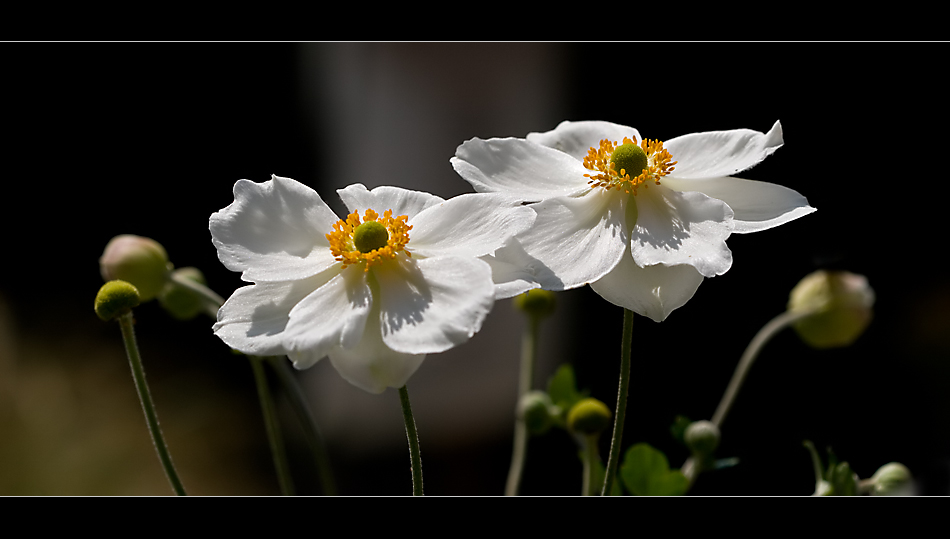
{"x": 370, "y": 236}
{"x": 843, "y": 303}
{"x": 534, "y": 410}
{"x": 588, "y": 416}
{"x": 179, "y": 301}
{"x": 629, "y": 158}
{"x": 702, "y": 437}
{"x": 892, "y": 479}
{"x": 536, "y": 302}
{"x": 140, "y": 261}
{"x": 115, "y": 298}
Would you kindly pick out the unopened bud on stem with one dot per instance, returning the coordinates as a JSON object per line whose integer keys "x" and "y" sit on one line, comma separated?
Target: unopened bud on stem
{"x": 140, "y": 261}
{"x": 841, "y": 303}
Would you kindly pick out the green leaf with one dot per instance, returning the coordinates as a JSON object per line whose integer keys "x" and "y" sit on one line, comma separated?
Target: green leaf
{"x": 843, "y": 480}
{"x": 562, "y": 388}
{"x": 678, "y": 428}
{"x": 646, "y": 472}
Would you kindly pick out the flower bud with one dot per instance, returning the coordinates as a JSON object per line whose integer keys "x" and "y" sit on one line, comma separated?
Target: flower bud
{"x": 115, "y": 298}
{"x": 536, "y": 302}
{"x": 842, "y": 303}
{"x": 180, "y": 302}
{"x": 702, "y": 437}
{"x": 892, "y": 479}
{"x": 535, "y": 410}
{"x": 588, "y": 416}
{"x": 140, "y": 261}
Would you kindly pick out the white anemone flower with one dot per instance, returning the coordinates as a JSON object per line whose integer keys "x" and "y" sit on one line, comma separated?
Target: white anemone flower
{"x": 641, "y": 221}
{"x": 376, "y": 294}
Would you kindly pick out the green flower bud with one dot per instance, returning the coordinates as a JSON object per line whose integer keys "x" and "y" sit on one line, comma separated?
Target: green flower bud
{"x": 179, "y": 301}
{"x": 535, "y": 410}
{"x": 892, "y": 479}
{"x": 140, "y": 261}
{"x": 843, "y": 308}
{"x": 115, "y": 298}
{"x": 536, "y": 302}
{"x": 588, "y": 416}
{"x": 702, "y": 437}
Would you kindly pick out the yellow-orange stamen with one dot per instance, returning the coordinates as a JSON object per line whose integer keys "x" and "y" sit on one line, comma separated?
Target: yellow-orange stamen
{"x": 341, "y": 239}
{"x": 659, "y": 164}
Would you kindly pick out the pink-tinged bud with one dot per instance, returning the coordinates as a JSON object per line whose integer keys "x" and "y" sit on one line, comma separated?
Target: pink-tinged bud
{"x": 137, "y": 260}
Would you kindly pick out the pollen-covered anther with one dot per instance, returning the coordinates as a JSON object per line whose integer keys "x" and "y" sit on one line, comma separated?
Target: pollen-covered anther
{"x": 638, "y": 164}
{"x": 373, "y": 241}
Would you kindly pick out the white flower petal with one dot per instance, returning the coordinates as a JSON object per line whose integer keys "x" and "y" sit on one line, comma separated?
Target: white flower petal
{"x": 274, "y": 231}
{"x": 253, "y": 319}
{"x": 681, "y": 228}
{"x": 469, "y": 225}
{"x": 519, "y": 168}
{"x": 431, "y": 305}
{"x": 653, "y": 291}
{"x": 400, "y": 201}
{"x": 332, "y": 315}
{"x": 721, "y": 153}
{"x": 373, "y": 366}
{"x": 576, "y": 241}
{"x": 577, "y": 138}
{"x": 512, "y": 270}
{"x": 757, "y": 205}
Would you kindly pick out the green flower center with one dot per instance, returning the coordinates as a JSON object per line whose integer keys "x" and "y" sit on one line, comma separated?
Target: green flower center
{"x": 629, "y": 159}
{"x": 370, "y": 236}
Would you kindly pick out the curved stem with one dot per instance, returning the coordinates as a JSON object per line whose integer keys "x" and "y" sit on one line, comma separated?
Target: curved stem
{"x": 764, "y": 335}
{"x": 690, "y": 468}
{"x": 311, "y": 430}
{"x": 213, "y": 300}
{"x": 145, "y": 397}
{"x": 626, "y": 345}
{"x": 529, "y": 354}
{"x": 415, "y": 455}
{"x": 273, "y": 427}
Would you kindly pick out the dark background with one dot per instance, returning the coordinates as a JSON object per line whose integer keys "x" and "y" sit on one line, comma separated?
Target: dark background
{"x": 148, "y": 138}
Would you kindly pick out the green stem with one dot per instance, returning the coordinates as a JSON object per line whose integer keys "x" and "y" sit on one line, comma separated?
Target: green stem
{"x": 151, "y": 418}
{"x": 317, "y": 445}
{"x": 626, "y": 346}
{"x": 529, "y": 354}
{"x": 415, "y": 456}
{"x": 690, "y": 468}
{"x": 311, "y": 430}
{"x": 273, "y": 427}
{"x": 591, "y": 458}
{"x": 764, "y": 335}
{"x": 212, "y": 300}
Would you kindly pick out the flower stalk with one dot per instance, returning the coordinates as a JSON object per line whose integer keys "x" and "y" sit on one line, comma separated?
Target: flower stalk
{"x": 529, "y": 354}
{"x": 272, "y": 426}
{"x": 415, "y": 455}
{"x": 769, "y": 330}
{"x": 289, "y": 384}
{"x": 626, "y": 346}
{"x": 311, "y": 430}
{"x": 148, "y": 406}
{"x": 212, "y": 300}
{"x": 590, "y": 459}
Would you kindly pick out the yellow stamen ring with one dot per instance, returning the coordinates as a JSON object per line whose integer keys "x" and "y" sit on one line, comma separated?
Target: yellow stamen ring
{"x": 659, "y": 164}
{"x": 344, "y": 250}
